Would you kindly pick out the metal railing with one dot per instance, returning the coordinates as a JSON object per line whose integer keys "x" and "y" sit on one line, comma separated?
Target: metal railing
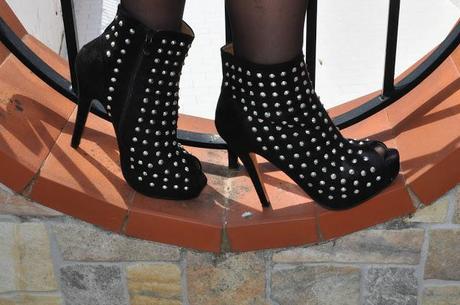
{"x": 391, "y": 92}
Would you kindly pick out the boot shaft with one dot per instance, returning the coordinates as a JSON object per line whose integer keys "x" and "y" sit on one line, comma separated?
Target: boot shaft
{"x": 108, "y": 65}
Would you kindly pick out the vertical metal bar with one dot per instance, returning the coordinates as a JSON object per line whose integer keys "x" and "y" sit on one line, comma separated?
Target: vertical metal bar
{"x": 392, "y": 40}
{"x": 68, "y": 16}
{"x": 310, "y": 41}
{"x": 232, "y": 158}
{"x": 228, "y": 29}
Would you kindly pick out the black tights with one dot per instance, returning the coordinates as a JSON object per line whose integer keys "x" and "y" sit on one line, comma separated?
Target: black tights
{"x": 157, "y": 14}
{"x": 264, "y": 31}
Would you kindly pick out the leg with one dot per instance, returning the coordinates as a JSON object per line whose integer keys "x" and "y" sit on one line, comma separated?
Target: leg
{"x": 157, "y": 14}
{"x": 267, "y": 31}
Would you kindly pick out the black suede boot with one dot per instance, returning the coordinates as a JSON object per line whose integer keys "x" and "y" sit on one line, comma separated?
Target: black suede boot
{"x": 134, "y": 72}
{"x": 273, "y": 111}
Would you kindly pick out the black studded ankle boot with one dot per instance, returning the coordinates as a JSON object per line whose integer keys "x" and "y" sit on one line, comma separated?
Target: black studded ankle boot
{"x": 134, "y": 72}
{"x": 273, "y": 111}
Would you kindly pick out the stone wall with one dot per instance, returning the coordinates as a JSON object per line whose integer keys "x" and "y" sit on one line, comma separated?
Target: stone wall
{"x": 49, "y": 258}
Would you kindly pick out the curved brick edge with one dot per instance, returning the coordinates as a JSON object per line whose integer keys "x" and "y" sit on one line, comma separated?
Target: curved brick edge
{"x": 38, "y": 162}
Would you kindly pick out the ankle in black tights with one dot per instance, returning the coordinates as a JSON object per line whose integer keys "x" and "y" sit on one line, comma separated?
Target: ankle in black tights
{"x": 157, "y": 14}
{"x": 267, "y": 31}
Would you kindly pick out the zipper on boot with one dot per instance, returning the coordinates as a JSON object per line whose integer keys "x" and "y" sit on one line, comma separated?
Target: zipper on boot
{"x": 147, "y": 41}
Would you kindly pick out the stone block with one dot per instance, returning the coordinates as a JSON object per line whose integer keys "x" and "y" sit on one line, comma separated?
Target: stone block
{"x": 370, "y": 246}
{"x": 315, "y": 285}
{"x": 441, "y": 295}
{"x": 83, "y": 284}
{"x": 84, "y": 242}
{"x": 154, "y": 283}
{"x": 21, "y": 206}
{"x": 395, "y": 286}
{"x": 25, "y": 258}
{"x": 28, "y": 299}
{"x": 227, "y": 279}
{"x": 443, "y": 261}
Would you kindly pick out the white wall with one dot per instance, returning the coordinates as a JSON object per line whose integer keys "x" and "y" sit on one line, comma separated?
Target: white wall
{"x": 41, "y": 18}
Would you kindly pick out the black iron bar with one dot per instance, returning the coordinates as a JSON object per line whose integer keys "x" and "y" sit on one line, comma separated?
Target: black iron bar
{"x": 405, "y": 85}
{"x": 228, "y": 28}
{"x": 71, "y": 38}
{"x": 310, "y": 39}
{"x": 55, "y": 80}
{"x": 392, "y": 41}
{"x": 232, "y": 158}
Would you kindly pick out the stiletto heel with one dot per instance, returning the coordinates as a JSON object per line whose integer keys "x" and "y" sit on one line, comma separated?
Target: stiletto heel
{"x": 232, "y": 160}
{"x": 250, "y": 163}
{"x": 84, "y": 106}
{"x": 273, "y": 111}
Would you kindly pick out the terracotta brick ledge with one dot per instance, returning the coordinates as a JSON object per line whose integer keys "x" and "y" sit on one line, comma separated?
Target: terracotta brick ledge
{"x": 37, "y": 161}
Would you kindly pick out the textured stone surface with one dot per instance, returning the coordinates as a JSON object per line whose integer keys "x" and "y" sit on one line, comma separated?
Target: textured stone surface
{"x": 36, "y": 268}
{"x": 435, "y": 213}
{"x": 315, "y": 285}
{"x": 395, "y": 286}
{"x": 25, "y": 258}
{"x": 457, "y": 205}
{"x": 158, "y": 283}
{"x": 8, "y": 251}
{"x": 372, "y": 246}
{"x": 443, "y": 260}
{"x": 81, "y": 241}
{"x": 21, "y": 206}
{"x": 226, "y": 280}
{"x": 25, "y": 299}
{"x": 4, "y": 195}
{"x": 92, "y": 284}
{"x": 447, "y": 295}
